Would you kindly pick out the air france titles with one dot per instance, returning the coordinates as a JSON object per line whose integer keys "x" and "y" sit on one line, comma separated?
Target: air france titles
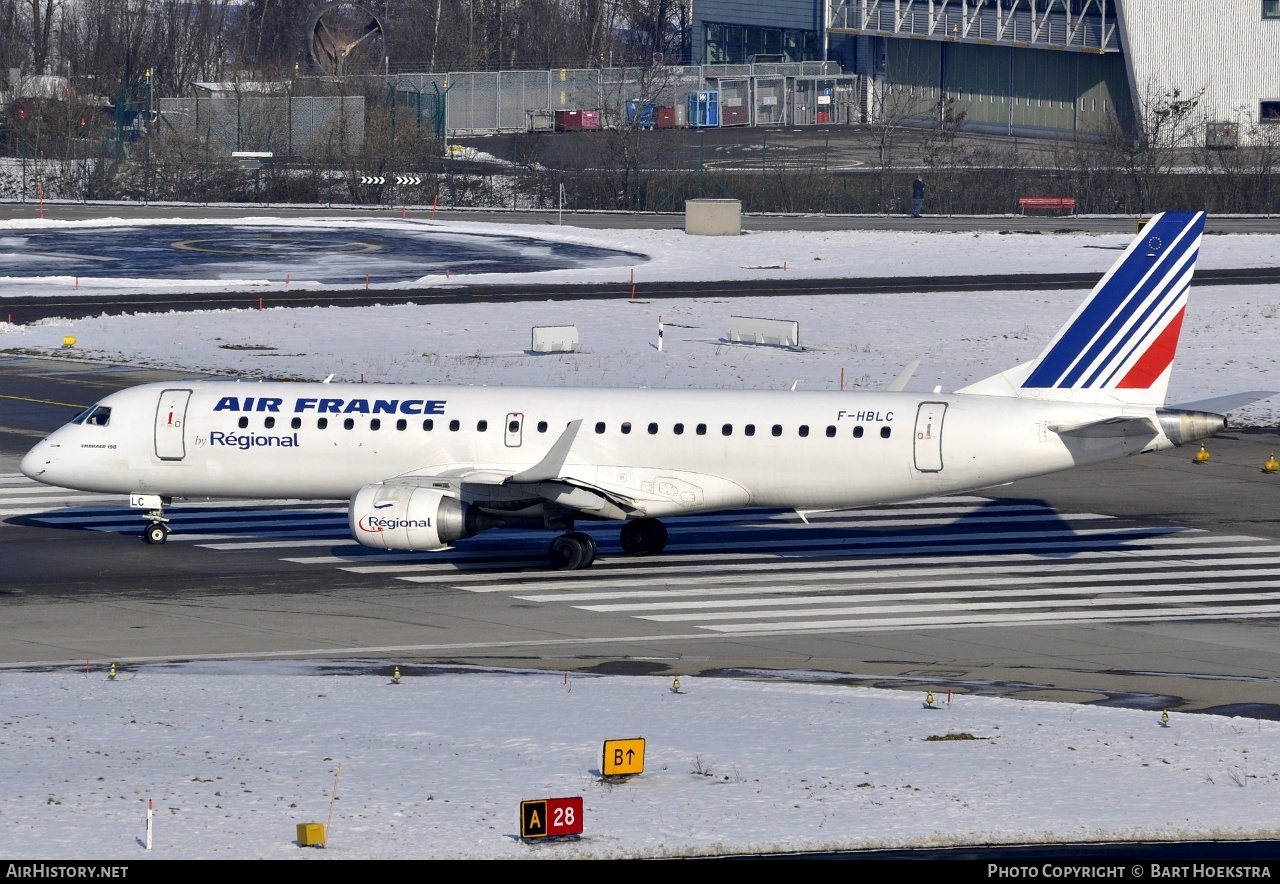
{"x": 275, "y": 405}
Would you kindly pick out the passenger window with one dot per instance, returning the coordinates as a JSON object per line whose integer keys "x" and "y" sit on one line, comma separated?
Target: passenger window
{"x": 831, "y": 432}
{"x": 402, "y": 424}
{"x": 804, "y": 430}
{"x": 454, "y": 426}
{"x": 375, "y": 424}
{"x": 884, "y": 432}
{"x": 678, "y": 429}
{"x": 295, "y": 423}
{"x": 749, "y": 429}
{"x": 322, "y": 423}
{"x": 349, "y": 423}
{"x": 481, "y": 426}
{"x": 701, "y": 429}
{"x": 857, "y": 432}
{"x": 600, "y": 427}
{"x": 542, "y": 426}
{"x": 727, "y": 429}
{"x": 428, "y": 425}
{"x": 269, "y": 423}
{"x": 653, "y": 429}
{"x": 777, "y": 429}
{"x": 626, "y": 427}
{"x": 242, "y": 423}
{"x": 513, "y": 427}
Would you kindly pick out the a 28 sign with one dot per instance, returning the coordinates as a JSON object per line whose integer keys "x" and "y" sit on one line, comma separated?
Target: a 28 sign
{"x": 550, "y": 817}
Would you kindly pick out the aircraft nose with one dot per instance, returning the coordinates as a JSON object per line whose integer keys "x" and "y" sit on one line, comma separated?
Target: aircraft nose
{"x": 36, "y": 461}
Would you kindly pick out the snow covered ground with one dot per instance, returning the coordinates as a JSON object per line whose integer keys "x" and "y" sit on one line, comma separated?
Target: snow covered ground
{"x": 235, "y": 754}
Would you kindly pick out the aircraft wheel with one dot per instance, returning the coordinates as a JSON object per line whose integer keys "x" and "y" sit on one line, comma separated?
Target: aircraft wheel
{"x": 567, "y": 553}
{"x": 632, "y": 537}
{"x": 643, "y": 537}
{"x": 657, "y": 537}
{"x": 156, "y": 532}
{"x": 589, "y": 543}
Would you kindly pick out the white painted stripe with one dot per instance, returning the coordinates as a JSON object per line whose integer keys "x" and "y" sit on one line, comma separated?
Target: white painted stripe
{"x": 1147, "y": 603}
{"x": 886, "y": 569}
{"x": 259, "y": 527}
{"x": 875, "y": 601}
{"x": 21, "y": 494}
{"x": 1063, "y": 618}
{"x": 275, "y": 544}
{"x": 659, "y": 570}
{"x": 126, "y": 516}
{"x": 875, "y": 580}
{"x": 644, "y": 570}
{"x": 284, "y": 539}
{"x": 1080, "y": 539}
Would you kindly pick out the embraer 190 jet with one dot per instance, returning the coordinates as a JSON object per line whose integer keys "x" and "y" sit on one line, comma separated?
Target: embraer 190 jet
{"x": 424, "y": 467}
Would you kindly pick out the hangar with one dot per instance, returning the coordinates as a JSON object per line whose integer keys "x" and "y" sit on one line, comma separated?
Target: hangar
{"x": 1049, "y": 68}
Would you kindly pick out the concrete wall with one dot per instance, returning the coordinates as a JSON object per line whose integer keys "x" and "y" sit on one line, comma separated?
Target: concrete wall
{"x": 713, "y": 217}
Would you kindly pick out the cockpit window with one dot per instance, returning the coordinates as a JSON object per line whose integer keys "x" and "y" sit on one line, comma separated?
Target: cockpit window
{"x": 98, "y": 417}
{"x": 79, "y": 418}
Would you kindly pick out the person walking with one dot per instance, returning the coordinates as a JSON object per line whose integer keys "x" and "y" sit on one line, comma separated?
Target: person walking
{"x": 917, "y": 194}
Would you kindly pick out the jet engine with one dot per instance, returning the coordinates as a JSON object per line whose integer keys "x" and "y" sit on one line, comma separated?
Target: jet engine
{"x": 412, "y": 518}
{"x": 1189, "y": 426}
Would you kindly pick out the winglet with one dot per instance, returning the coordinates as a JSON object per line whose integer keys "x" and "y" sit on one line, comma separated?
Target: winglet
{"x": 552, "y": 462}
{"x": 900, "y": 382}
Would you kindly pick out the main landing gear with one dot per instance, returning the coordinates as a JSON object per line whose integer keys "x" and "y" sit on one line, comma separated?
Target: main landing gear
{"x": 643, "y": 537}
{"x": 574, "y": 550}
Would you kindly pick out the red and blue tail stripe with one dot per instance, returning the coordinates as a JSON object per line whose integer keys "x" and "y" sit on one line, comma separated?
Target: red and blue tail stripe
{"x": 1125, "y": 334}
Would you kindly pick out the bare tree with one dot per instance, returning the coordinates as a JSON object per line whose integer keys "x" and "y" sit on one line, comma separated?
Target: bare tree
{"x": 1162, "y": 131}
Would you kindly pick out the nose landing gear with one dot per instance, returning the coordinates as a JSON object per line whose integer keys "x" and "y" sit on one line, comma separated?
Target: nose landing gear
{"x": 157, "y": 530}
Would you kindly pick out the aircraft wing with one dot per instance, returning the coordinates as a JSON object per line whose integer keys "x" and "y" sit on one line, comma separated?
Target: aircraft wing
{"x": 544, "y": 482}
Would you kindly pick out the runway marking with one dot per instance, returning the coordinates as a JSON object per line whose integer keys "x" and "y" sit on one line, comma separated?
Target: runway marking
{"x": 35, "y": 401}
{"x": 962, "y": 622}
{"x": 937, "y": 563}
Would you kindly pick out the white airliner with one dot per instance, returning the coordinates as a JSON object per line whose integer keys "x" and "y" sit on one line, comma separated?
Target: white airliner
{"x": 425, "y": 466}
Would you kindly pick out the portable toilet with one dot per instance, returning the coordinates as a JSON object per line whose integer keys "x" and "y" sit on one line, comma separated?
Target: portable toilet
{"x": 704, "y": 108}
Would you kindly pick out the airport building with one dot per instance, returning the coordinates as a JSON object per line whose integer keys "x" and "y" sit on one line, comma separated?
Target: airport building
{"x": 1051, "y": 68}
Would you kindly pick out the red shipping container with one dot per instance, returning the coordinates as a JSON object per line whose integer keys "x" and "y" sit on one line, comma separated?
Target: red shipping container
{"x": 568, "y": 121}
{"x": 591, "y": 119}
{"x": 733, "y": 116}
{"x": 664, "y": 117}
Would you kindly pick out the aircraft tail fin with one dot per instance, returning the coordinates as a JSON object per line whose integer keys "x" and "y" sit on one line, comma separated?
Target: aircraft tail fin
{"x": 1119, "y": 345}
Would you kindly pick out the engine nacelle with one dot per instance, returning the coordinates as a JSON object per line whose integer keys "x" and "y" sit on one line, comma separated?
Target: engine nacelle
{"x": 1189, "y": 426}
{"x": 411, "y": 517}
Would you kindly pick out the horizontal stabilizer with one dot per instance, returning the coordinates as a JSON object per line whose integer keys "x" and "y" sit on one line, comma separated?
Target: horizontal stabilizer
{"x": 1110, "y": 428}
{"x": 1223, "y": 404}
